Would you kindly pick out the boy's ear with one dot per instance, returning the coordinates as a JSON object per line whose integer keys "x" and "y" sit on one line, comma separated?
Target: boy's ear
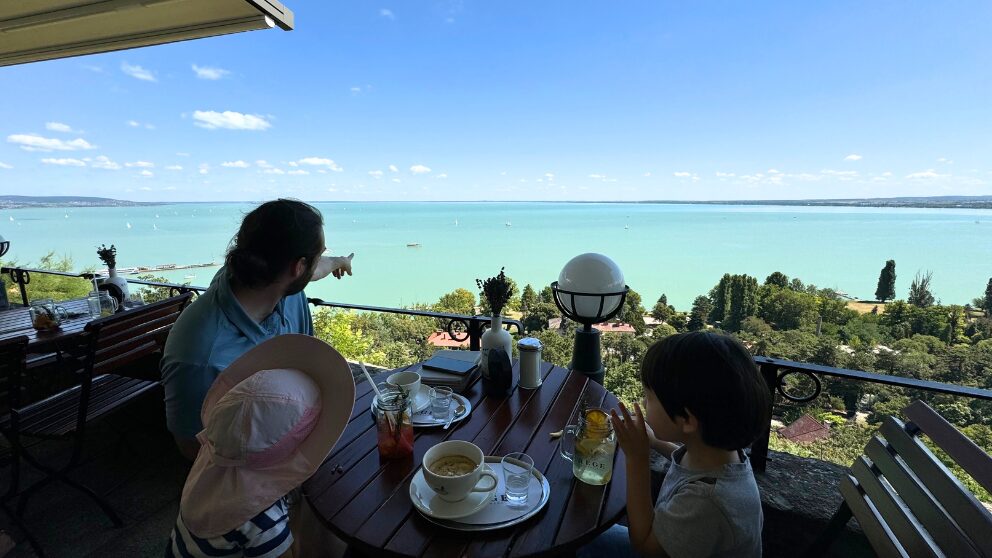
{"x": 689, "y": 423}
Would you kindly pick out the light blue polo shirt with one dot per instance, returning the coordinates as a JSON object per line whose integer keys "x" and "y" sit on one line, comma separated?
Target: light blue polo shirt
{"x": 209, "y": 335}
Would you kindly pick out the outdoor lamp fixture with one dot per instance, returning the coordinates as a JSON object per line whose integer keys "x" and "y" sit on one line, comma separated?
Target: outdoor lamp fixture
{"x": 4, "y": 246}
{"x": 589, "y": 290}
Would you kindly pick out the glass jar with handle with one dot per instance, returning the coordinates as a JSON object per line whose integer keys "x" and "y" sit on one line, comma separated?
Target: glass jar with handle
{"x": 394, "y": 426}
{"x": 46, "y": 315}
{"x": 590, "y": 445}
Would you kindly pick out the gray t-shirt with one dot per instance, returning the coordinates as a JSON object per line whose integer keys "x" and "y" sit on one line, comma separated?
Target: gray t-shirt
{"x": 715, "y": 512}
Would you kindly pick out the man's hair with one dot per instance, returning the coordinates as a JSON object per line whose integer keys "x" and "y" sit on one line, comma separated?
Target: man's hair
{"x": 271, "y": 238}
{"x": 714, "y": 377}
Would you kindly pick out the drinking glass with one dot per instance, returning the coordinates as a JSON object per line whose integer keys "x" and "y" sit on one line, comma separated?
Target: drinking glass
{"x": 135, "y": 299}
{"x": 517, "y": 471}
{"x": 108, "y": 304}
{"x": 93, "y": 303}
{"x": 440, "y": 402}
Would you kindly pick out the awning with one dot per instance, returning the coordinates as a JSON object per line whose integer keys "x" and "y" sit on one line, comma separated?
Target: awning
{"x": 34, "y": 30}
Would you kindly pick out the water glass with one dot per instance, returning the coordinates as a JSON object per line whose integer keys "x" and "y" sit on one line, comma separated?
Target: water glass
{"x": 517, "y": 471}
{"x": 93, "y": 304}
{"x": 135, "y": 299}
{"x": 440, "y": 402}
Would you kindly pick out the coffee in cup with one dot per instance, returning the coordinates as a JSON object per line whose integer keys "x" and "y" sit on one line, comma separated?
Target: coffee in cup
{"x": 455, "y": 468}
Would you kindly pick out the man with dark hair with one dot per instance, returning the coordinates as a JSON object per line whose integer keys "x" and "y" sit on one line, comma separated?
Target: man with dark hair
{"x": 258, "y": 294}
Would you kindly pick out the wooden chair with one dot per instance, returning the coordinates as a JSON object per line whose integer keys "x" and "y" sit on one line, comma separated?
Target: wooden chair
{"x": 105, "y": 345}
{"x": 907, "y": 502}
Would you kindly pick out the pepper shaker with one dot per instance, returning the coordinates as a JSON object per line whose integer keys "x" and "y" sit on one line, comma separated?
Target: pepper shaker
{"x": 530, "y": 362}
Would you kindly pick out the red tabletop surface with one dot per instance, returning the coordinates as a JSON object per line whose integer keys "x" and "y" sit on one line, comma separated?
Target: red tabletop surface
{"x": 366, "y": 502}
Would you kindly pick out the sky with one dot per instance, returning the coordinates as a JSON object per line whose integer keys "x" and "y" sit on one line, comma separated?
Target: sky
{"x": 549, "y": 100}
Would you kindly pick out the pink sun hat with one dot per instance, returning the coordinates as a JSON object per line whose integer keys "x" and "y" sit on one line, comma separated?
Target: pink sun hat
{"x": 270, "y": 419}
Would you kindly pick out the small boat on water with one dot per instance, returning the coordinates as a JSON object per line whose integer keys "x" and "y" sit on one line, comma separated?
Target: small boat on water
{"x": 129, "y": 225}
{"x": 508, "y": 224}
{"x": 413, "y": 245}
{"x": 190, "y": 277}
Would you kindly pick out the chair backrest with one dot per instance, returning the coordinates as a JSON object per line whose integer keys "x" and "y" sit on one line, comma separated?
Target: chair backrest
{"x": 125, "y": 337}
{"x": 12, "y": 353}
{"x": 908, "y": 502}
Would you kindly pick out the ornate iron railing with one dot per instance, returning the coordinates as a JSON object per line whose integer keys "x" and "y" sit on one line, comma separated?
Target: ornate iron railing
{"x": 776, "y": 373}
{"x": 460, "y": 327}
{"x": 463, "y": 327}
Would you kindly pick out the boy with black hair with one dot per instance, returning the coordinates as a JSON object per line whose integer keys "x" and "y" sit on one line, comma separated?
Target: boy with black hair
{"x": 705, "y": 402}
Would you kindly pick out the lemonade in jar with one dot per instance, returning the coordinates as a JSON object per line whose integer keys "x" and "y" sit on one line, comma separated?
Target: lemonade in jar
{"x": 590, "y": 445}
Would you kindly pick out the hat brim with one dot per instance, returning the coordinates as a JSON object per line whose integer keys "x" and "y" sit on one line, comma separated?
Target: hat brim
{"x": 328, "y": 369}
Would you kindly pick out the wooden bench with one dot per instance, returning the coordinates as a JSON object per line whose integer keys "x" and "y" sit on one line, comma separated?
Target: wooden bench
{"x": 906, "y": 501}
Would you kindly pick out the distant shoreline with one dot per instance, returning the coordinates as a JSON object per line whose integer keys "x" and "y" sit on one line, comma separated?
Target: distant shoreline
{"x": 937, "y": 202}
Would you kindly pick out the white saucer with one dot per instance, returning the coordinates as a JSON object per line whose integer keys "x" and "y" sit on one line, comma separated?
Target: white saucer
{"x": 420, "y": 401}
{"x": 430, "y": 504}
{"x": 424, "y": 418}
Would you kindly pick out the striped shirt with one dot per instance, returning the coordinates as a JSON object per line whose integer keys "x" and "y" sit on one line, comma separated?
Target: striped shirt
{"x": 266, "y": 535}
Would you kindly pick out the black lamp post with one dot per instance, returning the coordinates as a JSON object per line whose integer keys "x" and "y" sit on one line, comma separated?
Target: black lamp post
{"x": 589, "y": 290}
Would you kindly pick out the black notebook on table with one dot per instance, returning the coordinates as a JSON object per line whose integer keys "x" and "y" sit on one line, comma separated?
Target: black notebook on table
{"x": 455, "y": 369}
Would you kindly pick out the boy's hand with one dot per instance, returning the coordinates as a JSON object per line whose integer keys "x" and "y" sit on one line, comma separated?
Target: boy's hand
{"x": 631, "y": 433}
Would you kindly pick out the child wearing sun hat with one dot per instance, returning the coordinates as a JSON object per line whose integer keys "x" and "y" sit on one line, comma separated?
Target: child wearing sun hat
{"x": 270, "y": 419}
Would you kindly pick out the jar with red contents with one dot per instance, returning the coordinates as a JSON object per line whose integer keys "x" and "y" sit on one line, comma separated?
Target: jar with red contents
{"x": 393, "y": 415}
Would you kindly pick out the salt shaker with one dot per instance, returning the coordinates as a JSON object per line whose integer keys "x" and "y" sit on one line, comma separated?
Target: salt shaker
{"x": 530, "y": 362}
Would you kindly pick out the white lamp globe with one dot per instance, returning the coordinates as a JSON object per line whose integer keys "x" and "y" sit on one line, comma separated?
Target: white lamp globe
{"x": 592, "y": 274}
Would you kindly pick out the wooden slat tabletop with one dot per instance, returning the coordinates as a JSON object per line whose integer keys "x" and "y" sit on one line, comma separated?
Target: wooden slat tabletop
{"x": 17, "y": 321}
{"x": 366, "y": 502}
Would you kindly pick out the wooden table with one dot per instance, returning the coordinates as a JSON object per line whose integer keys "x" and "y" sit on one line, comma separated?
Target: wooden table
{"x": 365, "y": 501}
{"x": 17, "y": 322}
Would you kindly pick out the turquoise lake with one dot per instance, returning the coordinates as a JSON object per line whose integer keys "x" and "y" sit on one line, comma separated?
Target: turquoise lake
{"x": 680, "y": 250}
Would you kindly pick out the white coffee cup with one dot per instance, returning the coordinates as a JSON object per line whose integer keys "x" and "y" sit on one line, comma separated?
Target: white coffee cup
{"x": 407, "y": 381}
{"x": 455, "y": 489}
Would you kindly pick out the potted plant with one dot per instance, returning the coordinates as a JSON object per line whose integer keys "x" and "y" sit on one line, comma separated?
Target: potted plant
{"x": 118, "y": 285}
{"x": 497, "y": 292}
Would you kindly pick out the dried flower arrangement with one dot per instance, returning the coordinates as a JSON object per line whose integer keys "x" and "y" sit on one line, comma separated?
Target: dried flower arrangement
{"x": 497, "y": 291}
{"x": 107, "y": 255}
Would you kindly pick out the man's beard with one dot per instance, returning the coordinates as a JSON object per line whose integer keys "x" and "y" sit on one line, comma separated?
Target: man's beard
{"x": 298, "y": 285}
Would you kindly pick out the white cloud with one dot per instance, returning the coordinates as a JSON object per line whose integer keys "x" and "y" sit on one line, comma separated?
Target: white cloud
{"x": 274, "y": 170}
{"x": 840, "y": 175}
{"x": 320, "y": 162}
{"x": 887, "y": 173}
{"x": 229, "y": 120}
{"x": 263, "y": 164}
{"x": 235, "y": 164}
{"x": 293, "y": 164}
{"x": 924, "y": 175}
{"x": 174, "y": 168}
{"x": 377, "y": 174}
{"x": 60, "y": 127}
{"x": 133, "y": 123}
{"x": 647, "y": 174}
{"x": 387, "y": 13}
{"x": 97, "y": 69}
{"x": 34, "y": 142}
{"x": 682, "y": 174}
{"x": 137, "y": 72}
{"x": 392, "y": 168}
{"x": 204, "y": 168}
{"x": 945, "y": 161}
{"x": 140, "y": 164}
{"x": 104, "y": 162}
{"x": 442, "y": 175}
{"x": 548, "y": 175}
{"x": 206, "y": 72}
{"x": 64, "y": 162}
{"x": 725, "y": 174}
{"x": 596, "y": 176}
{"x": 397, "y": 180}
{"x": 420, "y": 169}
{"x": 853, "y": 157}
{"x": 355, "y": 90}
{"x": 146, "y": 173}
{"x": 5, "y": 165}
{"x": 299, "y": 172}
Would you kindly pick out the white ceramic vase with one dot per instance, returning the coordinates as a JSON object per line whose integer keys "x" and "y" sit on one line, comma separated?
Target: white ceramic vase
{"x": 495, "y": 338}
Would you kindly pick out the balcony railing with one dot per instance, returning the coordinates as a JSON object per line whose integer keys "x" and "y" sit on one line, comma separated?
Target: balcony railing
{"x": 776, "y": 372}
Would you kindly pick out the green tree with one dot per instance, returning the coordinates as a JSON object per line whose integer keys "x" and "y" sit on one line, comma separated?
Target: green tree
{"x": 680, "y": 320}
{"x": 701, "y": 308}
{"x": 777, "y": 279}
{"x": 55, "y": 287}
{"x": 458, "y": 301}
{"x": 987, "y": 302}
{"x": 919, "y": 291}
{"x": 662, "y": 311}
{"x": 335, "y": 327}
{"x": 743, "y": 301}
{"x": 528, "y": 298}
{"x": 547, "y": 295}
{"x": 536, "y": 319}
{"x": 788, "y": 309}
{"x": 633, "y": 312}
{"x": 886, "y": 289}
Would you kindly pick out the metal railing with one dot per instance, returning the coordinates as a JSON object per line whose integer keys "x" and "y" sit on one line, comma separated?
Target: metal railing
{"x": 463, "y": 327}
{"x": 460, "y": 327}
{"x": 777, "y": 371}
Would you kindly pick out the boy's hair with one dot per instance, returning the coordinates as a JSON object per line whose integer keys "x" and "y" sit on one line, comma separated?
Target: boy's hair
{"x": 714, "y": 377}
{"x": 273, "y": 236}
